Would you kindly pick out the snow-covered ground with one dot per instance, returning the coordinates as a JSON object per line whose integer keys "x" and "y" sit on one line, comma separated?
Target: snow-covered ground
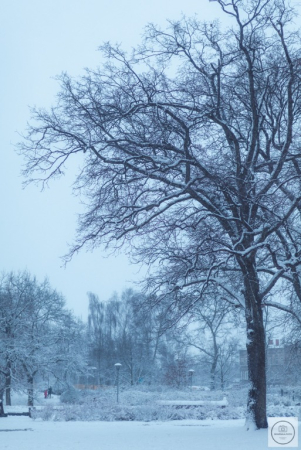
{"x": 27, "y": 434}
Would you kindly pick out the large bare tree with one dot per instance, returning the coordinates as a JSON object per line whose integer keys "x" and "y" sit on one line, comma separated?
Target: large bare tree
{"x": 189, "y": 152}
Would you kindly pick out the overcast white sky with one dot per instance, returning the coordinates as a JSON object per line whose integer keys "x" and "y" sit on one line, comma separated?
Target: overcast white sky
{"x": 38, "y": 40}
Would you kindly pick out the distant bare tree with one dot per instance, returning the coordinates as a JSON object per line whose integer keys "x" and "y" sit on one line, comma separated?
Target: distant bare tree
{"x": 228, "y": 363}
{"x": 119, "y": 330}
{"x": 207, "y": 331}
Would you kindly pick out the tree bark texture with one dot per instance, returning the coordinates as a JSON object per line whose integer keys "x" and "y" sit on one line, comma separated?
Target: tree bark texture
{"x": 256, "y": 404}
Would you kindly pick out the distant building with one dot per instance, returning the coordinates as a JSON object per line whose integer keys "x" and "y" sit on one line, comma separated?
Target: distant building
{"x": 283, "y": 363}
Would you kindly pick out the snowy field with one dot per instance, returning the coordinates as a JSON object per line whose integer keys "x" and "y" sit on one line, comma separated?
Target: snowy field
{"x": 27, "y": 434}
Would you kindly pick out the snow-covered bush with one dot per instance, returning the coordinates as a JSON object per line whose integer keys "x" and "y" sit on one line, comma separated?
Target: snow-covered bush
{"x": 136, "y": 404}
{"x": 71, "y": 395}
{"x": 141, "y": 405}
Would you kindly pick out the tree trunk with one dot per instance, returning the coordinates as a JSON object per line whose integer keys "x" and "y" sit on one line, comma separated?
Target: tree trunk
{"x": 214, "y": 361}
{"x": 256, "y": 406}
{"x": 30, "y": 391}
{"x": 1, "y": 402}
{"x": 132, "y": 370}
{"x": 7, "y": 391}
{"x": 213, "y": 373}
{"x": 8, "y": 384}
{"x": 222, "y": 379}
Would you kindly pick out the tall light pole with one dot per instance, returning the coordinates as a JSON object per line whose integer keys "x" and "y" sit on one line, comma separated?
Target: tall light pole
{"x": 117, "y": 365}
{"x": 191, "y": 372}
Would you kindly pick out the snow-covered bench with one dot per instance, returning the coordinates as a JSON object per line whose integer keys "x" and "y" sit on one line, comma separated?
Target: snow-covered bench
{"x": 194, "y": 403}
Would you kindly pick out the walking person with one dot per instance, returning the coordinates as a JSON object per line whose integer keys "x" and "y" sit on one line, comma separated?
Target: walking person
{"x": 49, "y": 391}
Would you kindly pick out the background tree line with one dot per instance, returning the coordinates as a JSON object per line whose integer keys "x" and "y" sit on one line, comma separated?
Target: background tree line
{"x": 131, "y": 330}
{"x": 42, "y": 343}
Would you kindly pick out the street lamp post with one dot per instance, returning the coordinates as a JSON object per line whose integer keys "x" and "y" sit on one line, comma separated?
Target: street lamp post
{"x": 117, "y": 365}
{"x": 191, "y": 372}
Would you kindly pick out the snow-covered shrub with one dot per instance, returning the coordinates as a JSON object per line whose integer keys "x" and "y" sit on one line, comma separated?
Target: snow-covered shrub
{"x": 140, "y": 405}
{"x": 71, "y": 395}
{"x": 135, "y": 405}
